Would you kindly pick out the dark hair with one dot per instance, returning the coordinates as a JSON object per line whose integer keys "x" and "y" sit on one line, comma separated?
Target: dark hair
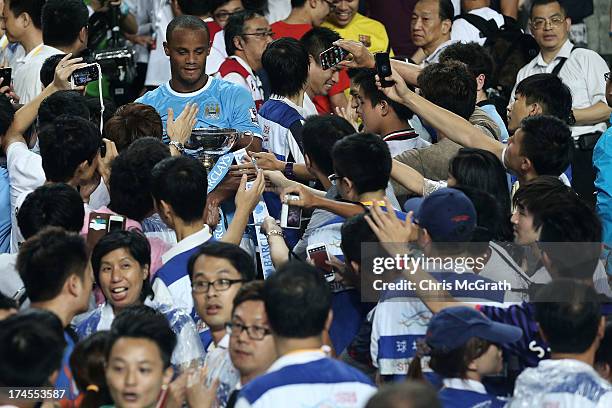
{"x": 31, "y": 349}
{"x": 550, "y": 93}
{"x": 62, "y": 21}
{"x": 47, "y": 259}
{"x": 538, "y": 194}
{"x": 196, "y": 8}
{"x": 455, "y": 363}
{"x": 548, "y": 143}
{"x": 32, "y": 7}
{"x": 355, "y": 231}
{"x": 319, "y": 134}
{"x": 235, "y": 28}
{"x": 571, "y": 237}
{"x": 249, "y": 291}
{"x": 130, "y": 182}
{"x": 93, "y": 104}
{"x": 235, "y": 255}
{"x": 297, "y": 301}
{"x": 133, "y": 121}
{"x": 7, "y": 113}
{"x": 317, "y": 40}
{"x": 62, "y": 103}
{"x": 566, "y": 306}
{"x": 132, "y": 322}
{"x": 286, "y": 58}
{"x": 7, "y": 303}
{"x": 87, "y": 366}
{"x": 366, "y": 79}
{"x": 446, "y": 10}
{"x": 47, "y": 70}
{"x": 186, "y": 22}
{"x": 181, "y": 182}
{"x": 297, "y": 3}
{"x": 132, "y": 241}
{"x": 491, "y": 223}
{"x": 473, "y": 55}
{"x": 482, "y": 170}
{"x": 374, "y": 159}
{"x": 604, "y": 352}
{"x": 450, "y": 86}
{"x": 543, "y": 3}
{"x": 65, "y": 144}
{"x": 55, "y": 204}
{"x": 215, "y": 4}
{"x": 413, "y": 394}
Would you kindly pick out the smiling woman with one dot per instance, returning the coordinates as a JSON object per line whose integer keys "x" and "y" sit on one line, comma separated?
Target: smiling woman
{"x": 121, "y": 269}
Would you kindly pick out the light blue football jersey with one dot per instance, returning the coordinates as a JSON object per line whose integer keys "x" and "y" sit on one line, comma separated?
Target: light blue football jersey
{"x": 221, "y": 105}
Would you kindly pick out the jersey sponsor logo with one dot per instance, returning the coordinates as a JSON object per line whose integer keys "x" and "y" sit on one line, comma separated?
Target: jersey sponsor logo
{"x": 365, "y": 40}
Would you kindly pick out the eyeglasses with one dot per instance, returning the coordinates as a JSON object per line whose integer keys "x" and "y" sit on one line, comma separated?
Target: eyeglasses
{"x": 333, "y": 177}
{"x": 220, "y": 285}
{"x": 608, "y": 76}
{"x": 254, "y": 332}
{"x": 261, "y": 34}
{"x": 224, "y": 15}
{"x": 540, "y": 23}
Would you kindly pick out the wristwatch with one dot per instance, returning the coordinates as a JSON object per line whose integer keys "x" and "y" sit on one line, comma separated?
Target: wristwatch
{"x": 288, "y": 172}
{"x": 177, "y": 145}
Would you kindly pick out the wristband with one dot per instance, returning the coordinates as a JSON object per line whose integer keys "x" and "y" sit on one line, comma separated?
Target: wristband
{"x": 278, "y": 233}
{"x": 178, "y": 145}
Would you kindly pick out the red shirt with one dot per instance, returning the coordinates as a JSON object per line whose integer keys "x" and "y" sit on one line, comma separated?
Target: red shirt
{"x": 282, "y": 29}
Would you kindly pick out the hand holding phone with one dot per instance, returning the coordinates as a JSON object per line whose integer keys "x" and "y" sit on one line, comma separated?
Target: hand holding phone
{"x": 5, "y": 74}
{"x": 318, "y": 254}
{"x": 383, "y": 68}
{"x": 332, "y": 57}
{"x": 85, "y": 75}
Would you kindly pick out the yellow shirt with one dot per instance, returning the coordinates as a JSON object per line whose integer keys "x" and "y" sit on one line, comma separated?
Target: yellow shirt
{"x": 365, "y": 30}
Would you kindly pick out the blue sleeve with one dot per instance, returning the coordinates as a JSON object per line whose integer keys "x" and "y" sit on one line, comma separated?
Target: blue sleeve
{"x": 602, "y": 164}
{"x": 5, "y": 211}
{"x": 244, "y": 115}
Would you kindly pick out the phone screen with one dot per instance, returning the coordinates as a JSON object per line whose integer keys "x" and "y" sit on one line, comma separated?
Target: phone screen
{"x": 319, "y": 257}
{"x": 5, "y": 74}
{"x": 115, "y": 225}
{"x": 294, "y": 216}
{"x": 85, "y": 75}
{"x": 98, "y": 224}
{"x": 332, "y": 57}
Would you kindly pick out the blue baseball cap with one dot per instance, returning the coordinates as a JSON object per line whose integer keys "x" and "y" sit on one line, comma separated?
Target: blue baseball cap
{"x": 448, "y": 215}
{"x": 454, "y": 326}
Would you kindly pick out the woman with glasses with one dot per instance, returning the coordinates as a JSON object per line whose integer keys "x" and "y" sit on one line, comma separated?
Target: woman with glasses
{"x": 120, "y": 263}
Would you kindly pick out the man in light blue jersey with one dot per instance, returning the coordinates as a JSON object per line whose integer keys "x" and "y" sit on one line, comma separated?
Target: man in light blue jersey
{"x": 298, "y": 305}
{"x": 220, "y": 104}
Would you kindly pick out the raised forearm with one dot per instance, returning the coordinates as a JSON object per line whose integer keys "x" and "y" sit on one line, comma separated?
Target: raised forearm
{"x": 407, "y": 177}
{"x": 409, "y": 72}
{"x": 600, "y": 112}
{"x": 343, "y": 209}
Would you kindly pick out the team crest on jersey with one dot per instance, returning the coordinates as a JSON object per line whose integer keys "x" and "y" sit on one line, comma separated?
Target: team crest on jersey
{"x": 212, "y": 111}
{"x": 365, "y": 40}
{"x": 253, "y": 113}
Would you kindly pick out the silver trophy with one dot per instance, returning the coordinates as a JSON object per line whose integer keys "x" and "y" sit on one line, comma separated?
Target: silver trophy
{"x": 210, "y": 144}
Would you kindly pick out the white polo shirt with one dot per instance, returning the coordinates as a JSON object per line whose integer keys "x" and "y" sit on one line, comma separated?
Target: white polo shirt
{"x": 583, "y": 73}
{"x": 26, "y": 79}
{"x": 435, "y": 56}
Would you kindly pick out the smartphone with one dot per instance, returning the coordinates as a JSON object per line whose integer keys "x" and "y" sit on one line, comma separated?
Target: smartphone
{"x": 383, "y": 68}
{"x": 102, "y": 149}
{"x": 97, "y": 228}
{"x": 319, "y": 255}
{"x": 5, "y": 74}
{"x": 85, "y": 75}
{"x": 116, "y": 223}
{"x": 332, "y": 57}
{"x": 291, "y": 215}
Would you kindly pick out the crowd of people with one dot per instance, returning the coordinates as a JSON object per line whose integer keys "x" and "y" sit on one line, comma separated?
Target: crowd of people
{"x": 259, "y": 227}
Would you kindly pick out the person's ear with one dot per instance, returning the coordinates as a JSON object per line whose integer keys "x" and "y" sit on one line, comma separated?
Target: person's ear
{"x": 238, "y": 43}
{"x": 311, "y": 61}
{"x": 568, "y": 23}
{"x": 74, "y": 285}
{"x": 384, "y": 108}
{"x": 145, "y": 272}
{"x": 83, "y": 35}
{"x": 314, "y": 3}
{"x": 526, "y": 165}
{"x": 534, "y": 109}
{"x": 446, "y": 25}
{"x": 348, "y": 183}
{"x": 165, "y": 209}
{"x": 480, "y": 81}
{"x": 166, "y": 49}
{"x": 601, "y": 329}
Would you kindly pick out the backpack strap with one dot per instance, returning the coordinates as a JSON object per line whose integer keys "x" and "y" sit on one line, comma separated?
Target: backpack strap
{"x": 487, "y": 28}
{"x": 561, "y": 63}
